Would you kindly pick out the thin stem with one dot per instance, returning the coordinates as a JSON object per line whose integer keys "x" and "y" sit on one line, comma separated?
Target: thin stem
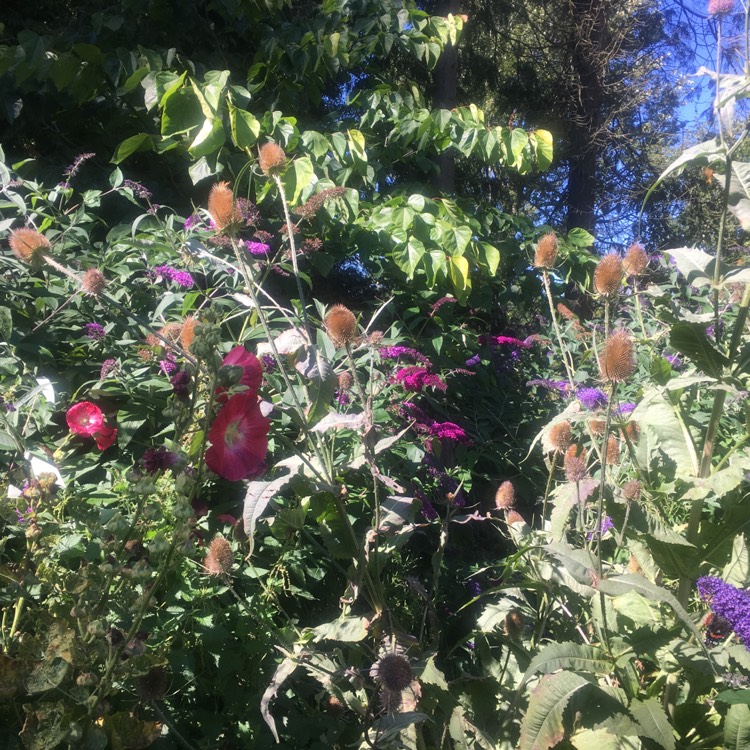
{"x": 565, "y": 355}
{"x": 171, "y": 727}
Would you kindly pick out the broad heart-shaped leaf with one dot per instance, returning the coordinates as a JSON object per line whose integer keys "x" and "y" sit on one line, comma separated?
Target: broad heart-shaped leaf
{"x": 739, "y": 192}
{"x": 737, "y": 727}
{"x": 694, "y": 264}
{"x": 259, "y": 494}
{"x": 576, "y": 657}
{"x": 297, "y": 177}
{"x": 653, "y": 722}
{"x": 690, "y": 339}
{"x": 283, "y": 671}
{"x": 542, "y": 724}
{"x": 245, "y": 128}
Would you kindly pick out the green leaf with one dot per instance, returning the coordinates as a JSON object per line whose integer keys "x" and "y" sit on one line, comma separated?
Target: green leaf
{"x": 210, "y": 139}
{"x": 283, "y": 671}
{"x": 298, "y": 177}
{"x": 734, "y": 697}
{"x": 603, "y": 739}
{"x": 580, "y": 237}
{"x": 653, "y": 721}
{"x": 544, "y": 148}
{"x": 458, "y": 268}
{"x": 690, "y": 339}
{"x": 737, "y": 570}
{"x": 695, "y": 265}
{"x": 346, "y": 629}
{"x": 573, "y": 656}
{"x": 245, "y": 127}
{"x": 6, "y": 324}
{"x": 737, "y": 727}
{"x": 47, "y": 675}
{"x": 739, "y": 192}
{"x": 542, "y": 724}
{"x": 491, "y": 257}
{"x": 409, "y": 256}
{"x": 140, "y": 142}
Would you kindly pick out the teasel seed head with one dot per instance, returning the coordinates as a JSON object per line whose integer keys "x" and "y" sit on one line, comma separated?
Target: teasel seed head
{"x": 631, "y": 490}
{"x": 29, "y": 246}
{"x": 341, "y": 325}
{"x": 153, "y": 685}
{"x": 612, "y": 450}
{"x": 635, "y": 261}
{"x": 597, "y": 426}
{"x": 575, "y": 464}
{"x": 271, "y": 159}
{"x": 344, "y": 380}
{"x": 608, "y": 275}
{"x": 513, "y": 624}
{"x": 545, "y": 254}
{"x": 393, "y": 672}
{"x": 634, "y": 566}
{"x": 222, "y": 207}
{"x": 187, "y": 334}
{"x": 566, "y": 312}
{"x": 632, "y": 431}
{"x": 93, "y": 282}
{"x": 513, "y": 516}
{"x": 505, "y": 497}
{"x": 560, "y": 435}
{"x": 219, "y": 557}
{"x": 617, "y": 359}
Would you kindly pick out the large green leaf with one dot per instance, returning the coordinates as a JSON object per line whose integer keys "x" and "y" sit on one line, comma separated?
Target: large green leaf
{"x": 737, "y": 727}
{"x": 542, "y": 724}
{"x": 690, "y": 339}
{"x": 245, "y": 127}
{"x": 573, "y": 656}
{"x": 737, "y": 570}
{"x": 653, "y": 721}
{"x": 140, "y": 142}
{"x": 297, "y": 177}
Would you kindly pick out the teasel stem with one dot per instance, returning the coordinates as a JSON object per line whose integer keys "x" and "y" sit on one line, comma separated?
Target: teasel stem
{"x": 565, "y": 354}
{"x": 552, "y": 467}
{"x": 638, "y": 311}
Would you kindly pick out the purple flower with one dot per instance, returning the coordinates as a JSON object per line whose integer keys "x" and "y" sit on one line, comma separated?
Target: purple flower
{"x": 504, "y": 341}
{"x": 108, "y": 366}
{"x": 167, "y": 365}
{"x": 674, "y": 360}
{"x": 180, "y": 383}
{"x": 604, "y": 527}
{"x": 342, "y": 398}
{"x": 416, "y": 378}
{"x": 626, "y": 408}
{"x": 158, "y": 459}
{"x": 95, "y": 331}
{"x": 182, "y": 278}
{"x": 192, "y": 221}
{"x": 268, "y": 362}
{"x": 405, "y": 352}
{"x": 139, "y": 191}
{"x": 728, "y": 602}
{"x": 73, "y": 168}
{"x": 428, "y": 509}
{"x": 591, "y": 398}
{"x": 257, "y": 249}
{"x": 473, "y": 361}
{"x": 449, "y": 431}
{"x": 442, "y": 301}
{"x": 554, "y": 385}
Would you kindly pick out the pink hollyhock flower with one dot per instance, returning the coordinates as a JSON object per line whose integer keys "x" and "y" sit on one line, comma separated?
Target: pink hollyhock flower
{"x": 105, "y": 437}
{"x": 84, "y": 418}
{"x": 239, "y": 439}
{"x": 252, "y": 372}
{"x": 416, "y": 378}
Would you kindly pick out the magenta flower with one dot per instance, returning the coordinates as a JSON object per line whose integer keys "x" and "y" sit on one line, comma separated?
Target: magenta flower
{"x": 449, "y": 431}
{"x": 505, "y": 341}
{"x": 416, "y": 378}
{"x": 258, "y": 249}
{"x": 720, "y": 7}
{"x": 181, "y": 278}
{"x": 94, "y": 331}
{"x": 403, "y": 352}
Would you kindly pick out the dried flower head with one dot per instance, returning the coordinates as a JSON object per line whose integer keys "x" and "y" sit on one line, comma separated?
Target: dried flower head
{"x": 597, "y": 426}
{"x": 222, "y": 207}
{"x": 341, "y": 325}
{"x": 560, "y": 435}
{"x": 28, "y": 245}
{"x": 93, "y": 282}
{"x": 219, "y": 557}
{"x": 632, "y": 431}
{"x": 634, "y": 566}
{"x": 575, "y": 464}
{"x": 720, "y": 7}
{"x": 608, "y": 274}
{"x": 512, "y": 516}
{"x": 513, "y": 624}
{"x": 393, "y": 672}
{"x": 153, "y": 685}
{"x": 545, "y": 254}
{"x": 631, "y": 490}
{"x": 617, "y": 360}
{"x": 505, "y": 497}
{"x": 271, "y": 159}
{"x": 566, "y": 312}
{"x": 344, "y": 380}
{"x": 187, "y": 334}
{"x": 635, "y": 261}
{"x": 612, "y": 450}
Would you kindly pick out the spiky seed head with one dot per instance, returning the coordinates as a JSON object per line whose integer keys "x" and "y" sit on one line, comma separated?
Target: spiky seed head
{"x": 341, "y": 325}
{"x": 632, "y": 431}
{"x": 505, "y": 497}
{"x": 608, "y": 275}
{"x": 634, "y": 566}
{"x": 513, "y": 624}
{"x": 617, "y": 360}
{"x": 631, "y": 490}
{"x": 612, "y": 450}
{"x": 394, "y": 672}
{"x": 271, "y": 159}
{"x": 153, "y": 685}
{"x": 545, "y": 254}
{"x": 344, "y": 380}
{"x": 566, "y": 312}
{"x": 597, "y": 426}
{"x": 635, "y": 261}
{"x": 575, "y": 464}
{"x": 513, "y": 516}
{"x": 560, "y": 435}
{"x": 219, "y": 557}
{"x": 93, "y": 282}
{"x": 28, "y": 245}
{"x": 222, "y": 207}
{"x": 187, "y": 334}
{"x": 375, "y": 338}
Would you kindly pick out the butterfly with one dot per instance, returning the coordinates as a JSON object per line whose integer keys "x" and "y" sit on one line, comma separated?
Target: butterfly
{"x": 717, "y": 629}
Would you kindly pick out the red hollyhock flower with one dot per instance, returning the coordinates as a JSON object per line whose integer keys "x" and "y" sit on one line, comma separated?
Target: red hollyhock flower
{"x": 239, "y": 439}
{"x": 84, "y": 418}
{"x": 105, "y": 437}
{"x": 252, "y": 372}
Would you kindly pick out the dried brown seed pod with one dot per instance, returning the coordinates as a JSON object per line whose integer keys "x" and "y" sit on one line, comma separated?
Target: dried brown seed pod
{"x": 635, "y": 261}
{"x": 505, "y": 497}
{"x": 393, "y": 672}
{"x": 560, "y": 435}
{"x": 271, "y": 159}
{"x": 187, "y": 334}
{"x": 513, "y": 516}
{"x": 634, "y": 566}
{"x": 28, "y": 245}
{"x": 222, "y": 207}
{"x": 93, "y": 282}
{"x": 219, "y": 557}
{"x": 341, "y": 325}
{"x": 575, "y": 464}
{"x": 608, "y": 274}
{"x": 617, "y": 360}
{"x": 597, "y": 426}
{"x": 631, "y": 490}
{"x": 612, "y": 450}
{"x": 513, "y": 624}
{"x": 344, "y": 380}
{"x": 632, "y": 431}
{"x": 545, "y": 254}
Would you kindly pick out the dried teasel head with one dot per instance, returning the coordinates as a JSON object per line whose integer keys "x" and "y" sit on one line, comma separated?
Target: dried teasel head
{"x": 635, "y": 261}
{"x": 222, "y": 206}
{"x": 545, "y": 254}
{"x": 513, "y": 624}
{"x": 187, "y": 334}
{"x": 219, "y": 557}
{"x": 612, "y": 450}
{"x": 271, "y": 159}
{"x": 93, "y": 282}
{"x": 341, "y": 325}
{"x": 631, "y": 490}
{"x": 505, "y": 497}
{"x": 634, "y": 566}
{"x": 608, "y": 275}
{"x": 28, "y": 245}
{"x": 513, "y": 516}
{"x": 597, "y": 426}
{"x": 560, "y": 435}
{"x": 574, "y": 464}
{"x": 617, "y": 359}
{"x": 632, "y": 431}
{"x": 393, "y": 671}
{"x": 344, "y": 380}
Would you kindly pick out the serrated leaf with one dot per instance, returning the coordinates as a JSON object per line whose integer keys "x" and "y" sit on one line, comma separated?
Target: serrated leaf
{"x": 690, "y": 339}
{"x": 734, "y": 696}
{"x": 603, "y": 739}
{"x": 737, "y": 728}
{"x": 573, "y": 656}
{"x": 542, "y": 724}
{"x": 283, "y": 671}
{"x": 653, "y": 722}
{"x": 346, "y": 629}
